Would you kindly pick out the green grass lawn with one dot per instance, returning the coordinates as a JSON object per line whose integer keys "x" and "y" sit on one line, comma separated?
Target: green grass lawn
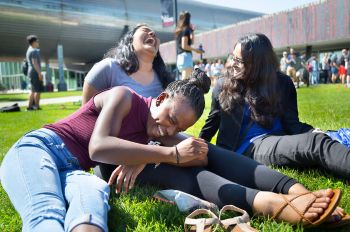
{"x": 24, "y": 96}
{"x": 324, "y": 106}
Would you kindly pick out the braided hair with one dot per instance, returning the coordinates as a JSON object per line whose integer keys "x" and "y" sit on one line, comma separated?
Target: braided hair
{"x": 192, "y": 89}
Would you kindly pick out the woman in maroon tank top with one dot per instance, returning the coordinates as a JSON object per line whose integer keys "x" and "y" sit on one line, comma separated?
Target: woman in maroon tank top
{"x": 43, "y": 173}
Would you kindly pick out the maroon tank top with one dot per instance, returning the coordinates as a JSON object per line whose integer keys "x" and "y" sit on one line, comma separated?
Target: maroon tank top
{"x": 76, "y": 129}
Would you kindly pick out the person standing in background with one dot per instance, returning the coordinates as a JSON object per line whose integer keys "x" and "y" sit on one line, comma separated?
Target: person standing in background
{"x": 34, "y": 72}
{"x": 283, "y": 62}
{"x": 347, "y": 62}
{"x": 343, "y": 65}
{"x": 184, "y": 34}
{"x": 334, "y": 67}
{"x": 325, "y": 67}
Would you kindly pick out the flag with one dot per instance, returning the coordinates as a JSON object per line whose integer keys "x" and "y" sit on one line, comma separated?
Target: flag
{"x": 167, "y": 14}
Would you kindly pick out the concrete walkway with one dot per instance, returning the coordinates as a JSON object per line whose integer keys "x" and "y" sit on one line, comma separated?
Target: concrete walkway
{"x": 44, "y": 101}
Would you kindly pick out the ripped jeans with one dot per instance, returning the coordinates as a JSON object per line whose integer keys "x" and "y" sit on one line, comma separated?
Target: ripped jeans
{"x": 48, "y": 188}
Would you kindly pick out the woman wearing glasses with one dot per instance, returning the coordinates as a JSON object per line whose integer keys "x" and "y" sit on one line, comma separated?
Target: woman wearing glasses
{"x": 254, "y": 107}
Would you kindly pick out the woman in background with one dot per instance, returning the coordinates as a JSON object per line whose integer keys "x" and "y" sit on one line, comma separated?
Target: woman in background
{"x": 184, "y": 34}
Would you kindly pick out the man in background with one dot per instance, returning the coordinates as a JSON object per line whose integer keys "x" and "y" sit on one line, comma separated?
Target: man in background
{"x": 34, "y": 72}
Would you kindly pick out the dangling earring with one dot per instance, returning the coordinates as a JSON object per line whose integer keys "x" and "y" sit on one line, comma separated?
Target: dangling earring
{"x": 157, "y": 102}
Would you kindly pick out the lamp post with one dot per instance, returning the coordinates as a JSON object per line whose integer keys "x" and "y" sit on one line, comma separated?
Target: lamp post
{"x": 176, "y": 48}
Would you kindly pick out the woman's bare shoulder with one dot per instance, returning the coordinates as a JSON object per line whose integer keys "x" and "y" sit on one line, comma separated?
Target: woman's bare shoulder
{"x": 114, "y": 96}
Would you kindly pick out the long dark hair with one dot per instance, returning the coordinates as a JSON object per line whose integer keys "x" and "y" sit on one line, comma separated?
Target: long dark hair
{"x": 183, "y": 23}
{"x": 125, "y": 56}
{"x": 257, "y": 84}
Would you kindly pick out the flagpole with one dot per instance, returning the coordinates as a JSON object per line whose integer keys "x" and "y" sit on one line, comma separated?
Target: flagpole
{"x": 177, "y": 71}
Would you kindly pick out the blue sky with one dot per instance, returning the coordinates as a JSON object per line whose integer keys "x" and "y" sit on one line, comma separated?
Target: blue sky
{"x": 264, "y": 6}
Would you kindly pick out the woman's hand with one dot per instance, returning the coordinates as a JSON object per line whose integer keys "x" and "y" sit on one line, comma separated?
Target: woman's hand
{"x": 192, "y": 149}
{"x": 126, "y": 176}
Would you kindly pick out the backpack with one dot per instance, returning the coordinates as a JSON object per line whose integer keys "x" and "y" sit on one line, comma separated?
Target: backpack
{"x": 25, "y": 67}
{"x": 342, "y": 136}
{"x": 12, "y": 108}
{"x": 309, "y": 67}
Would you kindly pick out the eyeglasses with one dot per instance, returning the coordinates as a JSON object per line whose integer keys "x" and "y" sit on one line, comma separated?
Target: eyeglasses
{"x": 237, "y": 60}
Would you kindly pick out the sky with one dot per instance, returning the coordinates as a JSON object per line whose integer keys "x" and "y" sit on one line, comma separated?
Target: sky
{"x": 263, "y": 6}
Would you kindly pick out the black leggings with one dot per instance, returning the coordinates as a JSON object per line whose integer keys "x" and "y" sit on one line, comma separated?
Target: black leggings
{"x": 307, "y": 150}
{"x": 229, "y": 178}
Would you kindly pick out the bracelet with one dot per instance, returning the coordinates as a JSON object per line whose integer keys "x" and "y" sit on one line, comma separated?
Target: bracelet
{"x": 177, "y": 155}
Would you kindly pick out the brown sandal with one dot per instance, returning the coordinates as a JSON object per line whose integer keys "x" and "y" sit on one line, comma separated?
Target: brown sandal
{"x": 344, "y": 221}
{"x": 298, "y": 216}
{"x": 236, "y": 224}
{"x": 200, "y": 224}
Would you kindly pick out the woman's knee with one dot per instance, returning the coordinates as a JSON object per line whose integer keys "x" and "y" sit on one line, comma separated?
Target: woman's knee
{"x": 168, "y": 176}
{"x": 44, "y": 215}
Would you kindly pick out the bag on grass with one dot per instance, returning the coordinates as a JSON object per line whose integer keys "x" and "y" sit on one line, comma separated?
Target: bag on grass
{"x": 25, "y": 67}
{"x": 12, "y": 108}
{"x": 342, "y": 136}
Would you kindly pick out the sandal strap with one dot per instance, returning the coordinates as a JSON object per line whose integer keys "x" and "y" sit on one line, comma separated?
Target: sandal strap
{"x": 289, "y": 202}
{"x": 200, "y": 223}
{"x": 244, "y": 218}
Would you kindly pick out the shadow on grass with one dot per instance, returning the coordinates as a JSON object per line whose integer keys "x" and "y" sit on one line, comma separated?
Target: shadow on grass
{"x": 137, "y": 210}
{"x": 54, "y": 108}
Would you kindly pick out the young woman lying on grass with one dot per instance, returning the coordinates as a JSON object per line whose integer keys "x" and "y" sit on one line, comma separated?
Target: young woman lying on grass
{"x": 45, "y": 172}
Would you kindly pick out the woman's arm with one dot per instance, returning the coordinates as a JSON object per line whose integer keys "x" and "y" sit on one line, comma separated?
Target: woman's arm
{"x": 290, "y": 119}
{"x": 104, "y": 144}
{"x": 97, "y": 79}
{"x": 186, "y": 47}
{"x": 106, "y": 147}
{"x": 88, "y": 92}
{"x": 176, "y": 139}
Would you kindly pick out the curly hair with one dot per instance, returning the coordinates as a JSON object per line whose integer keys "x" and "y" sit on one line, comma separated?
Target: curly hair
{"x": 193, "y": 89}
{"x": 256, "y": 85}
{"x": 125, "y": 56}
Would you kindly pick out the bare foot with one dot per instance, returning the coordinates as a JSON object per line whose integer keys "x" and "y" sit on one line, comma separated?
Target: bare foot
{"x": 306, "y": 208}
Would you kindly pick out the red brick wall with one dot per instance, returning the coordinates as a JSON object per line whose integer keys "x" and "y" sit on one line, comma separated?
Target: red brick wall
{"x": 323, "y": 21}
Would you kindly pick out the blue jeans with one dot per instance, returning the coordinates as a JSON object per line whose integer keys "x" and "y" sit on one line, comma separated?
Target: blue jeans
{"x": 184, "y": 61}
{"x": 48, "y": 188}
